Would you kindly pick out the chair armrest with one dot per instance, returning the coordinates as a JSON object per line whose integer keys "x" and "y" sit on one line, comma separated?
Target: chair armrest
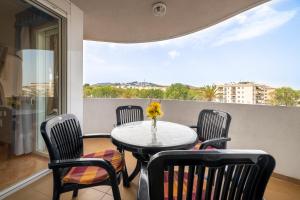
{"x": 99, "y": 162}
{"x": 211, "y": 142}
{"x": 96, "y": 135}
{"x": 193, "y": 126}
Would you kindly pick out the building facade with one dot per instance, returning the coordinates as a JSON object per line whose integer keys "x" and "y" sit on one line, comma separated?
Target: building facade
{"x": 244, "y": 93}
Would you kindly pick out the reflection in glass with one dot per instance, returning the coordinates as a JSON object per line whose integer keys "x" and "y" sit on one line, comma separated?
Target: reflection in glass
{"x": 29, "y": 85}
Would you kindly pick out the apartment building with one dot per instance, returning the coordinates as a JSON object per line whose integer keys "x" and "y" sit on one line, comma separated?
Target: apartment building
{"x": 244, "y": 93}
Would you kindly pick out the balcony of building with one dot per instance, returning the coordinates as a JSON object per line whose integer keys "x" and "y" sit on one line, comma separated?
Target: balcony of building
{"x": 272, "y": 129}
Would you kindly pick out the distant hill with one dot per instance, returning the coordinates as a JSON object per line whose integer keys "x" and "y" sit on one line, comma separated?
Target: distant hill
{"x": 134, "y": 83}
{"x": 106, "y": 84}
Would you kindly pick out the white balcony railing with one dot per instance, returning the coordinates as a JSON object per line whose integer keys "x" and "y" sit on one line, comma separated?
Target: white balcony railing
{"x": 273, "y": 129}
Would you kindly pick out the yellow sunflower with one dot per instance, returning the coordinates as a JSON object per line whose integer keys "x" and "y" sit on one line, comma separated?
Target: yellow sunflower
{"x": 154, "y": 110}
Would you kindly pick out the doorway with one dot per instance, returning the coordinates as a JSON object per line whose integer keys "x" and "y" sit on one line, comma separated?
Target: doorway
{"x": 32, "y": 51}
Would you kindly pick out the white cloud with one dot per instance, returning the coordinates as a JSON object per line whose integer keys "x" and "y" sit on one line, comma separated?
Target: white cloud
{"x": 94, "y": 59}
{"x": 173, "y": 54}
{"x": 253, "y": 23}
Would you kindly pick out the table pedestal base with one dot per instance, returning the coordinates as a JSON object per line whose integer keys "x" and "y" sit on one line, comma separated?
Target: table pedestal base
{"x": 142, "y": 193}
{"x": 136, "y": 171}
{"x": 139, "y": 159}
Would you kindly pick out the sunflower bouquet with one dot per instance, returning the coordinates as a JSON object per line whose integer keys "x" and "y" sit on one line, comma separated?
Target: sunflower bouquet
{"x": 154, "y": 111}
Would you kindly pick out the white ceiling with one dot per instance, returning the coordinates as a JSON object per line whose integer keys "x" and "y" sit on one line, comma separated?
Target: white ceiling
{"x": 130, "y": 21}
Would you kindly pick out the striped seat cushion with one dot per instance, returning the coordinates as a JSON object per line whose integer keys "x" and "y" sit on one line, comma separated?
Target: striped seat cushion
{"x": 184, "y": 189}
{"x": 92, "y": 174}
{"x": 198, "y": 145}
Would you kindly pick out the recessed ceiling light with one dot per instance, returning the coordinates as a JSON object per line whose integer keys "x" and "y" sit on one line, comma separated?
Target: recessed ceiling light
{"x": 159, "y": 9}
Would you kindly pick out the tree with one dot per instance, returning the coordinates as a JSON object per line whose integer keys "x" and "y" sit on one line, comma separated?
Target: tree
{"x": 106, "y": 92}
{"x": 196, "y": 94}
{"x": 285, "y": 96}
{"x": 177, "y": 91}
{"x": 209, "y": 92}
{"x": 130, "y": 93}
{"x": 151, "y": 93}
{"x": 87, "y": 90}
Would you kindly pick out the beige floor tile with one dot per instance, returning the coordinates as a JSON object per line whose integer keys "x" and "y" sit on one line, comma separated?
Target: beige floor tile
{"x": 104, "y": 188}
{"x": 282, "y": 190}
{"x": 42, "y": 189}
{"x": 44, "y": 185}
{"x": 108, "y": 197}
{"x": 84, "y": 194}
{"x": 110, "y": 192}
{"x": 12, "y": 171}
{"x": 28, "y": 194}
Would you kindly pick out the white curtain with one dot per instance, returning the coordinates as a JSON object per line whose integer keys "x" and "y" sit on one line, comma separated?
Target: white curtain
{"x": 24, "y": 115}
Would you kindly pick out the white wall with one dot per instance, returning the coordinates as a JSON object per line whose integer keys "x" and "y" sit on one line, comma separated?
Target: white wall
{"x": 272, "y": 129}
{"x": 75, "y": 53}
{"x": 75, "y": 62}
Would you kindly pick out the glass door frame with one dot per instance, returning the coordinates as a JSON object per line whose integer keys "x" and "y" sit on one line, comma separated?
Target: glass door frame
{"x": 62, "y": 61}
{"x": 62, "y": 86}
{"x": 62, "y": 52}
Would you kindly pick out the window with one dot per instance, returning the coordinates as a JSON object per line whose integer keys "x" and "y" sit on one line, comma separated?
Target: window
{"x": 33, "y": 58}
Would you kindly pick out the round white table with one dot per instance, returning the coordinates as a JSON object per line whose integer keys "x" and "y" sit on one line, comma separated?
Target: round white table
{"x": 142, "y": 141}
{"x": 138, "y": 137}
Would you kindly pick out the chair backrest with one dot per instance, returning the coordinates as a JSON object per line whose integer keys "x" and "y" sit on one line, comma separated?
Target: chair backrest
{"x": 63, "y": 137}
{"x": 130, "y": 113}
{"x": 213, "y": 124}
{"x": 206, "y": 175}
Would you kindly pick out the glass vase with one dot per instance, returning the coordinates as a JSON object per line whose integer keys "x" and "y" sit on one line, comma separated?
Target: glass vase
{"x": 154, "y": 126}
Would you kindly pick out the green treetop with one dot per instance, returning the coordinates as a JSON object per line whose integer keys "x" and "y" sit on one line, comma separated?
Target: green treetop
{"x": 285, "y": 96}
{"x": 209, "y": 92}
{"x": 177, "y": 91}
{"x": 151, "y": 93}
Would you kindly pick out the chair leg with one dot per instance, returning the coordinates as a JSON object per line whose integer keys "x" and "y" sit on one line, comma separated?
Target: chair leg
{"x": 56, "y": 195}
{"x": 75, "y": 193}
{"x": 127, "y": 179}
{"x": 125, "y": 176}
{"x": 56, "y": 187}
{"x": 124, "y": 171}
{"x": 115, "y": 188}
{"x": 136, "y": 171}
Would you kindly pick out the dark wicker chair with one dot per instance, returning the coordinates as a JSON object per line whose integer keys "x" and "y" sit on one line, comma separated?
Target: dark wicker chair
{"x": 212, "y": 129}
{"x": 231, "y": 174}
{"x": 127, "y": 114}
{"x": 64, "y": 141}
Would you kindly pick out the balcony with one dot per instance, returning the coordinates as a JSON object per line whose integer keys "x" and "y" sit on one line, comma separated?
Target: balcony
{"x": 272, "y": 129}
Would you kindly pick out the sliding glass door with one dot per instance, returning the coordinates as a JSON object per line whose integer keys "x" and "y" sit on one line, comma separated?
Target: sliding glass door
{"x": 31, "y": 74}
{"x": 47, "y": 103}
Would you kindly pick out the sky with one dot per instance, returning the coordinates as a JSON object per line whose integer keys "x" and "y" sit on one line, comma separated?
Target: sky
{"x": 260, "y": 45}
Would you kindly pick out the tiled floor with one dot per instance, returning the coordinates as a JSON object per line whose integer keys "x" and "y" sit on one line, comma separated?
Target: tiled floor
{"x": 12, "y": 171}
{"x": 42, "y": 189}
